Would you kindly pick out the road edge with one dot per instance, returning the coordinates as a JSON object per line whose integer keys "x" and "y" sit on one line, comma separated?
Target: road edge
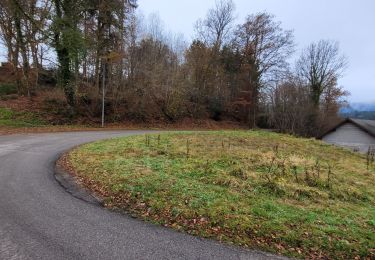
{"x": 72, "y": 185}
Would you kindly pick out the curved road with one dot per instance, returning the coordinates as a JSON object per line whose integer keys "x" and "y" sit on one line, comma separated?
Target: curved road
{"x": 40, "y": 220}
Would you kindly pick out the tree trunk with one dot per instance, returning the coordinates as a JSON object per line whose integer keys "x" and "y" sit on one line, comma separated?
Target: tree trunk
{"x": 21, "y": 43}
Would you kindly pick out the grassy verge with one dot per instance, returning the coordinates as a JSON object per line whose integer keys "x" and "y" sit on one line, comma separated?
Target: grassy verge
{"x": 262, "y": 190}
{"x": 12, "y": 119}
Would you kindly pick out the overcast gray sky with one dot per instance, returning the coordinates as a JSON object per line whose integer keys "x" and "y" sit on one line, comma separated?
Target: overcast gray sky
{"x": 351, "y": 22}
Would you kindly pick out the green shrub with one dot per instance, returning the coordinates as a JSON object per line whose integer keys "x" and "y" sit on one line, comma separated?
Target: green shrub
{"x": 7, "y": 89}
{"x": 6, "y": 114}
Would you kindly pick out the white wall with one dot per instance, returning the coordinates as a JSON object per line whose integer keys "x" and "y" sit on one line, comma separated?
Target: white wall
{"x": 351, "y": 136}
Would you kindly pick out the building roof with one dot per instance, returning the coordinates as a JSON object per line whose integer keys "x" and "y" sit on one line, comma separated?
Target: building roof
{"x": 367, "y": 126}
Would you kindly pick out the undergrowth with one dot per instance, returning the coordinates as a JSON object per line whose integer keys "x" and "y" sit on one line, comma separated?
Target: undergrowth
{"x": 10, "y": 118}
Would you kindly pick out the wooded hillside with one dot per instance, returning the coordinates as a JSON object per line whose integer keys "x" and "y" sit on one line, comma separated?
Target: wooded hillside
{"x": 238, "y": 72}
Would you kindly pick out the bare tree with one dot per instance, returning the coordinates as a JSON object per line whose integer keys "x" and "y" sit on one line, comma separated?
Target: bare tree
{"x": 7, "y": 32}
{"x": 289, "y": 105}
{"x": 215, "y": 28}
{"x": 320, "y": 65}
{"x": 313, "y": 98}
{"x": 14, "y": 16}
{"x": 265, "y": 48}
{"x": 155, "y": 28}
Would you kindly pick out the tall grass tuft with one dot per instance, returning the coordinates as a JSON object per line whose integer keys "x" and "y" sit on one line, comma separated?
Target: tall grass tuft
{"x": 370, "y": 158}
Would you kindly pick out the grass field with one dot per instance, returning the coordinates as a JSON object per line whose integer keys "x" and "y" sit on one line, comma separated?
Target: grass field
{"x": 296, "y": 197}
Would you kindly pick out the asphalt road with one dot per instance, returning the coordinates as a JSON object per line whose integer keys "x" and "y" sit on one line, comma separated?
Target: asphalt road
{"x": 40, "y": 220}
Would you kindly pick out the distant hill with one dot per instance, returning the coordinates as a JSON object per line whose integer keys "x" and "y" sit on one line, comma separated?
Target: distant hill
{"x": 359, "y": 110}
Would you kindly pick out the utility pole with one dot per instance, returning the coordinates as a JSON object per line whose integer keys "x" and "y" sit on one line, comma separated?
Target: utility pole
{"x": 103, "y": 91}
